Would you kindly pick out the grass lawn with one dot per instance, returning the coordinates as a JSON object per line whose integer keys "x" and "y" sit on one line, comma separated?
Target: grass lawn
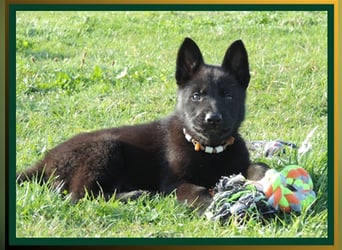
{"x": 82, "y": 71}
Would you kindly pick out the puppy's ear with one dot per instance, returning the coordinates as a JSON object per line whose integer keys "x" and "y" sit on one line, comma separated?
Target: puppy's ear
{"x": 189, "y": 60}
{"x": 236, "y": 62}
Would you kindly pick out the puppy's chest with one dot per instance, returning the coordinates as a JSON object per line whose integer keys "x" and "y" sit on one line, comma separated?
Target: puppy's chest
{"x": 202, "y": 168}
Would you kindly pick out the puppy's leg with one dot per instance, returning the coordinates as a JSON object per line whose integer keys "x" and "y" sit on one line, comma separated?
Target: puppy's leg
{"x": 256, "y": 171}
{"x": 197, "y": 196}
{"x": 132, "y": 195}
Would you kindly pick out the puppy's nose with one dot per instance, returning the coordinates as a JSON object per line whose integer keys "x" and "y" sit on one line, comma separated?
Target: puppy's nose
{"x": 213, "y": 118}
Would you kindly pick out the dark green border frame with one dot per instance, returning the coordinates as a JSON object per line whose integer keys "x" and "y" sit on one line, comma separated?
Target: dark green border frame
{"x": 11, "y": 133}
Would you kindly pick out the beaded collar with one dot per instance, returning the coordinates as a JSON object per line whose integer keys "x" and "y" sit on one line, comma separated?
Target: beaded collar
{"x": 208, "y": 149}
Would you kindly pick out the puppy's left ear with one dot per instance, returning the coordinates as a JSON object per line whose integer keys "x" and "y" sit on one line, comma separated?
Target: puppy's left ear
{"x": 236, "y": 62}
{"x": 189, "y": 60}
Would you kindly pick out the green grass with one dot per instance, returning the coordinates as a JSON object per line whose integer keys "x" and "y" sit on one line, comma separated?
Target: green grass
{"x": 127, "y": 77}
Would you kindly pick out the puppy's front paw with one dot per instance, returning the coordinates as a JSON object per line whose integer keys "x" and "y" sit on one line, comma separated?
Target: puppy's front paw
{"x": 132, "y": 195}
{"x": 196, "y": 196}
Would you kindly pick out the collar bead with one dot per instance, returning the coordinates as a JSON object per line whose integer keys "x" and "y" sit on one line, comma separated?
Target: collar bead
{"x": 208, "y": 149}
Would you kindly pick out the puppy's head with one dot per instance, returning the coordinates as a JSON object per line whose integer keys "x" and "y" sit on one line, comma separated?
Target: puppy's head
{"x": 211, "y": 99}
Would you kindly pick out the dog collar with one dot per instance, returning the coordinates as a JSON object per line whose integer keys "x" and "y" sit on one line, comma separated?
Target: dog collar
{"x": 208, "y": 149}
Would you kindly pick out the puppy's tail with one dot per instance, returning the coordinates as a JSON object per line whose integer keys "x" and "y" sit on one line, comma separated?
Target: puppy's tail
{"x": 36, "y": 172}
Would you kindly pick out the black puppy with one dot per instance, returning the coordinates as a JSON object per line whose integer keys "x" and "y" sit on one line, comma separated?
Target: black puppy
{"x": 187, "y": 151}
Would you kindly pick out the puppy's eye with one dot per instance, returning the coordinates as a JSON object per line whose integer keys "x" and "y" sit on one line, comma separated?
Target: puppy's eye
{"x": 196, "y": 97}
{"x": 228, "y": 96}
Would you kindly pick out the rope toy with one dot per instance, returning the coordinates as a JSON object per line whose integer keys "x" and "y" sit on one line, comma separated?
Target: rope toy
{"x": 270, "y": 149}
{"x": 290, "y": 190}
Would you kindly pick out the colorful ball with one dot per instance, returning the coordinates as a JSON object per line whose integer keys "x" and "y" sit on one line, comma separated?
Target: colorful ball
{"x": 289, "y": 190}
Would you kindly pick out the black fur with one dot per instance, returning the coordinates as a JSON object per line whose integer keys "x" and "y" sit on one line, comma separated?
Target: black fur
{"x": 156, "y": 156}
